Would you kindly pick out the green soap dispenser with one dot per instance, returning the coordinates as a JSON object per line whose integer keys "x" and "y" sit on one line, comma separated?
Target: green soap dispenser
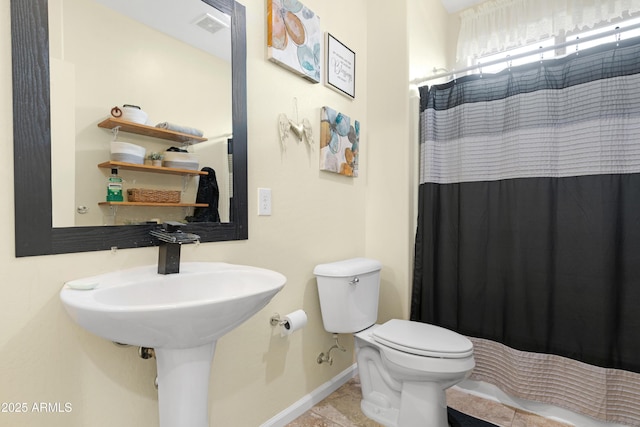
{"x": 114, "y": 187}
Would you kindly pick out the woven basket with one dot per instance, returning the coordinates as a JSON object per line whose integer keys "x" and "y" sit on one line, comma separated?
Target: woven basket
{"x": 152, "y": 196}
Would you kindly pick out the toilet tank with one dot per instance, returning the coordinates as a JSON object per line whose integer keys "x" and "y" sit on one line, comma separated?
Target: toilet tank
{"x": 348, "y": 292}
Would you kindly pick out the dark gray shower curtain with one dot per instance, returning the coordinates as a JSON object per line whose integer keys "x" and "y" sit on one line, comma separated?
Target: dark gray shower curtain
{"x": 529, "y": 207}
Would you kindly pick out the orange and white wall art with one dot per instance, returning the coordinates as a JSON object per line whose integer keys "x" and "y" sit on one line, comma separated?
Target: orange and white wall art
{"x": 339, "y": 143}
{"x": 294, "y": 38}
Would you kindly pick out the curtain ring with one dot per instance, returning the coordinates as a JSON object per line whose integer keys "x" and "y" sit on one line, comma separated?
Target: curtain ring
{"x": 541, "y": 55}
{"x": 509, "y": 62}
{"x": 577, "y": 46}
{"x": 617, "y": 36}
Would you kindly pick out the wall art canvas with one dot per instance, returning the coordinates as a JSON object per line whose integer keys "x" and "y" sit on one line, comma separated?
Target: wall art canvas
{"x": 294, "y": 38}
{"x": 339, "y": 143}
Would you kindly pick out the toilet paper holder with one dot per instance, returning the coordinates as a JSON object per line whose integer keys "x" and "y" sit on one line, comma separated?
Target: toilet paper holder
{"x": 289, "y": 323}
{"x": 277, "y": 321}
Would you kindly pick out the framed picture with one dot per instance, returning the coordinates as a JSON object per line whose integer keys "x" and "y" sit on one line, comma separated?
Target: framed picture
{"x": 341, "y": 67}
{"x": 339, "y": 143}
{"x": 294, "y": 38}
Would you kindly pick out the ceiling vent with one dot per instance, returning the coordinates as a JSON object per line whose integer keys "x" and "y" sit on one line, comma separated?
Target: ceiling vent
{"x": 211, "y": 24}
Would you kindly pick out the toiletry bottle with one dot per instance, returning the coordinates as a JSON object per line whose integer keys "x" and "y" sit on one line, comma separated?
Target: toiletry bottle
{"x": 114, "y": 187}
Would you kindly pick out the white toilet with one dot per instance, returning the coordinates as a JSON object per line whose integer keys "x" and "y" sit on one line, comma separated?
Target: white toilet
{"x": 404, "y": 366}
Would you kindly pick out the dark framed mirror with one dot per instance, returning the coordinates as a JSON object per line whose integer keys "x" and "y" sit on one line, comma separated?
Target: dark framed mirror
{"x": 34, "y": 230}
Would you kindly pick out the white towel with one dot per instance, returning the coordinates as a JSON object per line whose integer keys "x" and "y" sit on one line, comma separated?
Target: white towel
{"x": 177, "y": 128}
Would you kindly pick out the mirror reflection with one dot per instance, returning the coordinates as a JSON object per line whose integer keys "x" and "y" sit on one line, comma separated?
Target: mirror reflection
{"x": 102, "y": 56}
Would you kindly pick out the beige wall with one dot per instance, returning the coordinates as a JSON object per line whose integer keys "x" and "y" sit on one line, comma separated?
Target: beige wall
{"x": 317, "y": 217}
{"x": 429, "y": 23}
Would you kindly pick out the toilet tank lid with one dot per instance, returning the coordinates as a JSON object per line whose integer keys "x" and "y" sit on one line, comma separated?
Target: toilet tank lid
{"x": 346, "y": 268}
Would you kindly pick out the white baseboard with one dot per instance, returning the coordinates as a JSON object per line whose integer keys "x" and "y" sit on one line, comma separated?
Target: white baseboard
{"x": 310, "y": 400}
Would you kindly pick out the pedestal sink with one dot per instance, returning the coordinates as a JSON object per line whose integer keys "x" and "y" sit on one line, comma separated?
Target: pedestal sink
{"x": 180, "y": 315}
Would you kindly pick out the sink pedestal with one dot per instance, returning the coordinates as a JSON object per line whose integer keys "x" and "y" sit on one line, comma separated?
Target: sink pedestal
{"x": 183, "y": 385}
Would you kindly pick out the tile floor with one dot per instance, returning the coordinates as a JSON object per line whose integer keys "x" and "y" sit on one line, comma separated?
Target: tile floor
{"x": 342, "y": 409}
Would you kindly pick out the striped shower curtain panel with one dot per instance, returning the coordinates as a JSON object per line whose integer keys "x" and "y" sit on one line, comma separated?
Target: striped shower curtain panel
{"x": 528, "y": 234}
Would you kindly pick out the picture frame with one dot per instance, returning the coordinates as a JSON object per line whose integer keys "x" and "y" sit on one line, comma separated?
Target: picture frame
{"x": 339, "y": 143}
{"x": 341, "y": 67}
{"x": 294, "y": 38}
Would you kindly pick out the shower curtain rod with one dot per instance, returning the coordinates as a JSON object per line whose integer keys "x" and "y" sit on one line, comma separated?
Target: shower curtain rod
{"x": 617, "y": 30}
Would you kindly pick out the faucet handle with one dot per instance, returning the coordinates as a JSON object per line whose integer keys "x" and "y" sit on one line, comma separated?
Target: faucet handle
{"x": 171, "y": 233}
{"x": 172, "y": 226}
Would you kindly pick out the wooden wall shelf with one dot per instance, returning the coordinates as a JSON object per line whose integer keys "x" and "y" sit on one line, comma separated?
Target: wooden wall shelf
{"x": 127, "y": 126}
{"x": 148, "y": 168}
{"x": 158, "y": 205}
{"x": 131, "y": 127}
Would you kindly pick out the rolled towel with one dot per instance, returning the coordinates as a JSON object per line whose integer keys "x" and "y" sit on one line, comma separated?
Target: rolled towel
{"x": 177, "y": 128}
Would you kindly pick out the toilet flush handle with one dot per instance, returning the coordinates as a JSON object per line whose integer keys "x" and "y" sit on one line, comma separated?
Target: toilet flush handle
{"x": 354, "y": 281}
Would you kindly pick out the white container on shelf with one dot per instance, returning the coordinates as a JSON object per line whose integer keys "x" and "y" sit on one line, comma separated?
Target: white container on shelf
{"x": 127, "y": 152}
{"x": 130, "y": 113}
{"x": 178, "y": 160}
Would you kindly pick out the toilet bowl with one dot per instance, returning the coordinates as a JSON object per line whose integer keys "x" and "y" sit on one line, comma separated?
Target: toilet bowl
{"x": 404, "y": 366}
{"x": 404, "y": 389}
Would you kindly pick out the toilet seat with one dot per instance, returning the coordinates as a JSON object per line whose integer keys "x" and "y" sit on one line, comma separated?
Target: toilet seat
{"x": 408, "y": 366}
{"x": 422, "y": 339}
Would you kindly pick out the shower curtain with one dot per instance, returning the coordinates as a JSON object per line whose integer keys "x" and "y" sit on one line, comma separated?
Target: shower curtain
{"x": 528, "y": 237}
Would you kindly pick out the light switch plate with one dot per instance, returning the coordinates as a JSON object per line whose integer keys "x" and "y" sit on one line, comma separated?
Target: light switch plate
{"x": 264, "y": 201}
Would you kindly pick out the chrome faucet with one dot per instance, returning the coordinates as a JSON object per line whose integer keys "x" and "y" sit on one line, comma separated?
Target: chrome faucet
{"x": 171, "y": 239}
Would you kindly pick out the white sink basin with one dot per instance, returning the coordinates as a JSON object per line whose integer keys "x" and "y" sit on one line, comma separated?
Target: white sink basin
{"x": 180, "y": 315}
{"x": 204, "y": 301}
